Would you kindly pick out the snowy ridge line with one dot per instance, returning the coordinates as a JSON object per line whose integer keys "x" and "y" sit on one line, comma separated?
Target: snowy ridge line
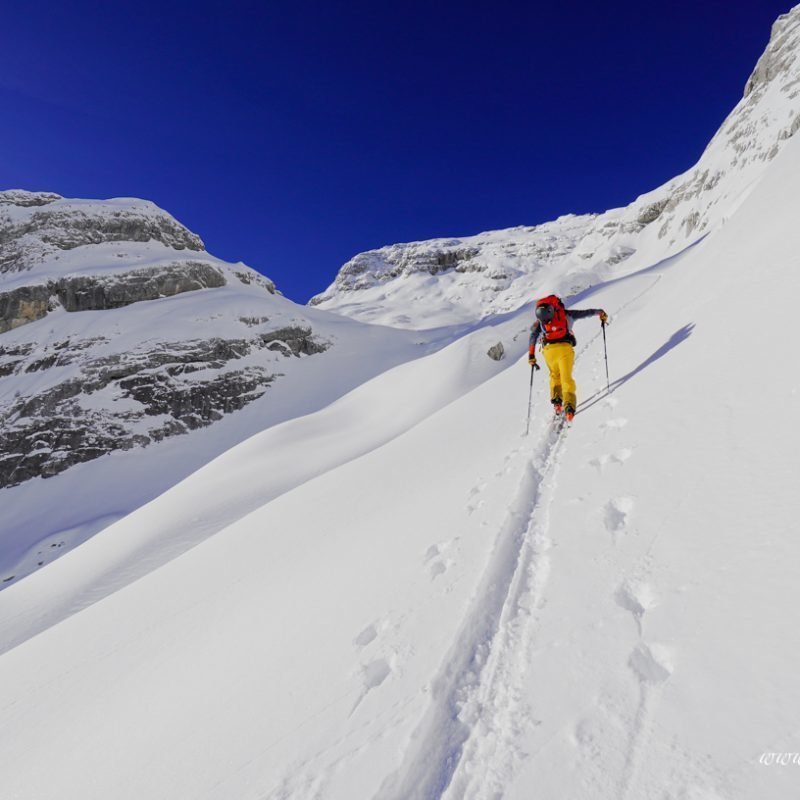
{"x": 437, "y": 746}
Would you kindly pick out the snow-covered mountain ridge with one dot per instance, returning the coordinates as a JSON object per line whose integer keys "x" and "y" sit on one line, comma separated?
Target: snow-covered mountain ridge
{"x": 437, "y": 282}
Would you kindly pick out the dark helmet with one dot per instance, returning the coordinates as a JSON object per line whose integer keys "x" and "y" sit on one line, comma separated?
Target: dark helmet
{"x": 544, "y": 313}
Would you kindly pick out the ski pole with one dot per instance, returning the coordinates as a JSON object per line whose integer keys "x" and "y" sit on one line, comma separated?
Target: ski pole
{"x": 605, "y": 352}
{"x": 530, "y": 399}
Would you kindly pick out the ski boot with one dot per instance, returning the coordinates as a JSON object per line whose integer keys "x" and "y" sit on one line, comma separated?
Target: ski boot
{"x": 569, "y": 413}
{"x": 558, "y": 409}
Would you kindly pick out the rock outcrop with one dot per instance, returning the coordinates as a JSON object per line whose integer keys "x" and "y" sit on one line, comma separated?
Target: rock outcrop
{"x": 34, "y": 226}
{"x": 101, "y": 292}
{"x": 99, "y": 353}
{"x": 165, "y": 391}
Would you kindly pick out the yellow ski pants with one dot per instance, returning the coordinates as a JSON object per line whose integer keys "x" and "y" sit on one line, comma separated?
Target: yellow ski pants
{"x": 559, "y": 358}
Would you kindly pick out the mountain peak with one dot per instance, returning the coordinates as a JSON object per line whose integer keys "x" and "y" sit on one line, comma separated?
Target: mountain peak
{"x": 780, "y": 60}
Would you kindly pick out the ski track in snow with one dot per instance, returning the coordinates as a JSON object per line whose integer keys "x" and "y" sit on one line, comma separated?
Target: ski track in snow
{"x": 474, "y": 700}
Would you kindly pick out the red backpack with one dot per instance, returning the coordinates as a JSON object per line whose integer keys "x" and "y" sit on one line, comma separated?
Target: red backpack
{"x": 557, "y": 330}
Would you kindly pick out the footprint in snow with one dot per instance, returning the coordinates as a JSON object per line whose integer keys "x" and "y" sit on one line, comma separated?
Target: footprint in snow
{"x": 473, "y": 507}
{"x": 620, "y": 457}
{"x": 637, "y": 597}
{"x": 650, "y": 664}
{"x": 435, "y": 550}
{"x": 375, "y": 673}
{"x": 588, "y": 736}
{"x": 508, "y": 463}
{"x": 615, "y": 424}
{"x": 476, "y": 490}
{"x": 431, "y": 553}
{"x": 439, "y": 567}
{"x": 600, "y": 463}
{"x": 372, "y": 676}
{"x": 473, "y": 498}
{"x": 616, "y": 514}
{"x": 369, "y": 634}
{"x": 435, "y": 560}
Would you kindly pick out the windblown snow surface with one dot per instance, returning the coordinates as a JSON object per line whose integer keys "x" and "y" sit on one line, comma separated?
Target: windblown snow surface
{"x": 405, "y": 597}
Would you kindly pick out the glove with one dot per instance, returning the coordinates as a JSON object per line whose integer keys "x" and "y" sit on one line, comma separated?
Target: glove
{"x": 603, "y": 316}
{"x": 532, "y": 361}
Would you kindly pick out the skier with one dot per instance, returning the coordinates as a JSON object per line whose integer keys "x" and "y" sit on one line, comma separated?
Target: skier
{"x": 554, "y": 321}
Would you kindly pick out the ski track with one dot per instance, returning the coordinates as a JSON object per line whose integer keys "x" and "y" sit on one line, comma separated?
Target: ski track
{"x": 497, "y": 713}
{"x": 467, "y": 698}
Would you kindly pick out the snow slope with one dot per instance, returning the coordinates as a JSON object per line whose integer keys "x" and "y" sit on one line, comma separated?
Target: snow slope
{"x": 443, "y": 608}
{"x": 281, "y": 457}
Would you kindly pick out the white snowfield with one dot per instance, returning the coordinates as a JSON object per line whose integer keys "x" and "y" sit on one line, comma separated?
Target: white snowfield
{"x": 404, "y": 597}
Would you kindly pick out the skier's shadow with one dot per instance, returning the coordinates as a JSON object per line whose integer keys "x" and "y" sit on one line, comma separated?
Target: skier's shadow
{"x": 681, "y": 335}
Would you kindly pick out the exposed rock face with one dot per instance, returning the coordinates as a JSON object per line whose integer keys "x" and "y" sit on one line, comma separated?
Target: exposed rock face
{"x": 496, "y": 352}
{"x": 24, "y": 199}
{"x": 292, "y": 341}
{"x": 98, "y": 375}
{"x": 780, "y": 57}
{"x": 115, "y": 291}
{"x": 35, "y": 226}
{"x": 179, "y": 386}
{"x": 97, "y": 293}
{"x": 250, "y": 278}
{"x": 498, "y": 271}
{"x": 401, "y": 259}
{"x": 651, "y": 212}
{"x": 125, "y": 400}
{"x": 23, "y": 305}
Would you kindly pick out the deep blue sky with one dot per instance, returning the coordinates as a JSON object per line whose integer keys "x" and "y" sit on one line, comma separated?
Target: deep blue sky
{"x": 292, "y": 135}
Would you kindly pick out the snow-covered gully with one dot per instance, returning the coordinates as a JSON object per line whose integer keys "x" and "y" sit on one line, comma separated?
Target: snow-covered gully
{"x": 474, "y": 709}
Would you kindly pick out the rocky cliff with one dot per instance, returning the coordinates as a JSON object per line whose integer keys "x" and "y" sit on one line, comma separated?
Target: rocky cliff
{"x": 80, "y": 377}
